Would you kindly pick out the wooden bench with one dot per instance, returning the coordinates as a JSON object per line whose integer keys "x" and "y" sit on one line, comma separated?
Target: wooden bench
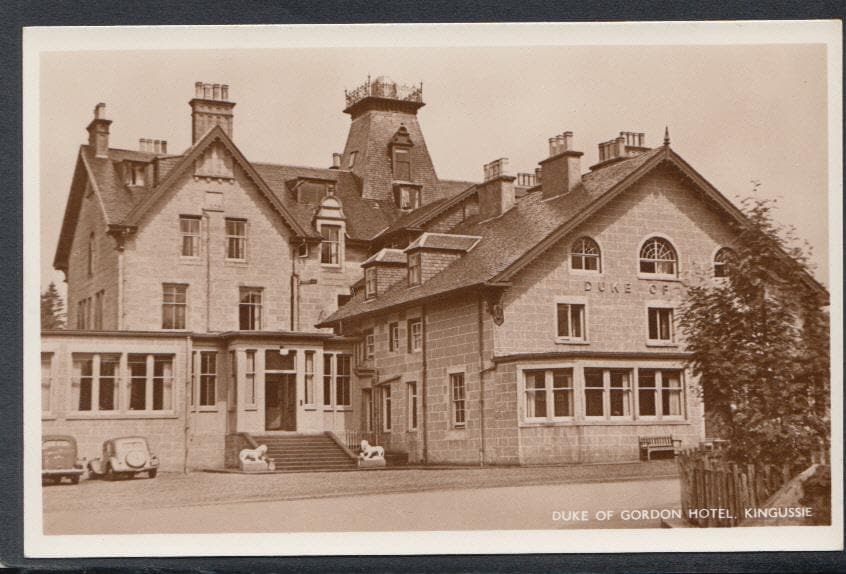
{"x": 650, "y": 444}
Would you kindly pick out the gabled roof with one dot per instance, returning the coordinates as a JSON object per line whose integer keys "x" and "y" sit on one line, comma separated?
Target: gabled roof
{"x": 216, "y": 134}
{"x": 455, "y": 191}
{"x": 387, "y": 257}
{"x": 515, "y": 239}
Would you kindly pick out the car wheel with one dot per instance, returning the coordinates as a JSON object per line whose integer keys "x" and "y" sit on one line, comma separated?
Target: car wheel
{"x": 74, "y": 479}
{"x": 109, "y": 473}
{"x": 153, "y": 472}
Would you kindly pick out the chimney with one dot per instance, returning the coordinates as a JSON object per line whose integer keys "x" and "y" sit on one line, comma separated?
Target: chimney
{"x": 562, "y": 170}
{"x": 210, "y": 107}
{"x": 626, "y": 145}
{"x": 152, "y": 146}
{"x": 98, "y": 131}
{"x": 496, "y": 194}
{"x": 336, "y": 160}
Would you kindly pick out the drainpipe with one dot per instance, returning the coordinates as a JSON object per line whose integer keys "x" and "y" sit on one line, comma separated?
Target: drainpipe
{"x": 208, "y": 271}
{"x": 482, "y": 380}
{"x": 120, "y": 290}
{"x": 295, "y": 289}
{"x": 187, "y": 400}
{"x": 425, "y": 390}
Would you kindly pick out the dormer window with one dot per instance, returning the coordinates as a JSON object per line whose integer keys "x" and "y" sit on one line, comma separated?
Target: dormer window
{"x": 134, "y": 174}
{"x": 407, "y": 197}
{"x": 369, "y": 282}
{"x": 402, "y": 164}
{"x": 414, "y": 269}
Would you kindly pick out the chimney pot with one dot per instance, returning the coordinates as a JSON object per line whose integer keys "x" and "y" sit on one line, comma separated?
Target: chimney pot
{"x": 205, "y": 115}
{"x": 216, "y": 91}
{"x": 164, "y": 146}
{"x": 336, "y": 160}
{"x": 207, "y": 91}
{"x": 100, "y": 111}
{"x": 198, "y": 89}
{"x": 224, "y": 92}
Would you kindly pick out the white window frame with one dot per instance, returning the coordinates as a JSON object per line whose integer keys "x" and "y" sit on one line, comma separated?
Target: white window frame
{"x": 572, "y": 301}
{"x": 549, "y": 391}
{"x": 662, "y": 276}
{"x": 242, "y": 239}
{"x": 195, "y": 238}
{"x": 343, "y": 380}
{"x": 659, "y": 306}
{"x": 413, "y": 337}
{"x": 250, "y": 378}
{"x": 723, "y": 249}
{"x": 413, "y": 407}
{"x": 454, "y": 400}
{"x": 387, "y": 409}
{"x": 308, "y": 378}
{"x": 607, "y": 389}
{"x": 658, "y": 393}
{"x": 99, "y": 303}
{"x": 415, "y": 270}
{"x": 328, "y": 381}
{"x": 338, "y": 245}
{"x": 172, "y": 305}
{"x": 255, "y": 309}
{"x": 207, "y": 375}
{"x": 393, "y": 341}
{"x": 96, "y": 359}
{"x": 370, "y": 283}
{"x": 574, "y": 253}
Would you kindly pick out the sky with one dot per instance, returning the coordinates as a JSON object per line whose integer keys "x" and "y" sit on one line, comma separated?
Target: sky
{"x": 736, "y": 113}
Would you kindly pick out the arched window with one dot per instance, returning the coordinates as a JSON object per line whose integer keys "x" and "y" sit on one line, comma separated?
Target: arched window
{"x": 658, "y": 257}
{"x": 585, "y": 255}
{"x": 722, "y": 260}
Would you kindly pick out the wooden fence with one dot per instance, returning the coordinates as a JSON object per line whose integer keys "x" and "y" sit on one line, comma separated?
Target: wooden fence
{"x": 716, "y": 493}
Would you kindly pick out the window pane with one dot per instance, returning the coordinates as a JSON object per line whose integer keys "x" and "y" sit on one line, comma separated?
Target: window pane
{"x": 594, "y": 391}
{"x": 137, "y": 382}
{"x": 250, "y": 377}
{"x": 536, "y": 394}
{"x": 83, "y": 369}
{"x": 576, "y": 320}
{"x": 46, "y": 380}
{"x": 563, "y": 320}
{"x": 620, "y": 393}
{"x": 671, "y": 393}
{"x": 109, "y": 367}
{"x": 646, "y": 392}
{"x": 562, "y": 392}
{"x": 327, "y": 379}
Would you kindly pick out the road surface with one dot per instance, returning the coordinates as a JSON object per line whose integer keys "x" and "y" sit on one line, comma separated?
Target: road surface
{"x": 500, "y": 508}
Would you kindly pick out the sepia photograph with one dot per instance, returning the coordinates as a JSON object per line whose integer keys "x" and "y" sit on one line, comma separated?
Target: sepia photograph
{"x": 465, "y": 288}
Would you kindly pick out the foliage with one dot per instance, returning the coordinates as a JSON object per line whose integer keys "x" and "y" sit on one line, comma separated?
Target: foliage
{"x": 52, "y": 308}
{"x": 760, "y": 345}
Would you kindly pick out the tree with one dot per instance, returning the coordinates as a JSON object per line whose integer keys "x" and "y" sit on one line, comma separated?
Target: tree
{"x": 759, "y": 340}
{"x": 52, "y": 308}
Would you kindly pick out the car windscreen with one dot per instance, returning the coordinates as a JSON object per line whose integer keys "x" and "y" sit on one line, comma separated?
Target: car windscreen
{"x": 131, "y": 445}
{"x": 56, "y": 444}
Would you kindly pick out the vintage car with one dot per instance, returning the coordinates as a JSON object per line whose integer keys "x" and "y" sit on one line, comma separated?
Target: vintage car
{"x": 125, "y": 457}
{"x": 58, "y": 459}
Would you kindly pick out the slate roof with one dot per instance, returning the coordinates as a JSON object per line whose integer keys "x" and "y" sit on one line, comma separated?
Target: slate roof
{"x": 503, "y": 239}
{"x": 455, "y": 192}
{"x": 389, "y": 256}
{"x": 118, "y": 198}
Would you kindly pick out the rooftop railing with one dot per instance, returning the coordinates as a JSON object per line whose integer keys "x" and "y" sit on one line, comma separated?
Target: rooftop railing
{"x": 383, "y": 88}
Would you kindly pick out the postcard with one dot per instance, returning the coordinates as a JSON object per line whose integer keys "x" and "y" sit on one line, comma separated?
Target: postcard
{"x": 433, "y": 289}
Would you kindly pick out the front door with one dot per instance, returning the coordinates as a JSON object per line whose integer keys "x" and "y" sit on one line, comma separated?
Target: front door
{"x": 280, "y": 401}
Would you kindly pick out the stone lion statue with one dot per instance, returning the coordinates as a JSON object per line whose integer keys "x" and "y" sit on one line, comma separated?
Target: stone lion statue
{"x": 369, "y": 452}
{"x": 253, "y": 454}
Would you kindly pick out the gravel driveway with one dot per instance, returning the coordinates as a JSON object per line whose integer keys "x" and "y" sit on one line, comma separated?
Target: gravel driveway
{"x": 202, "y": 488}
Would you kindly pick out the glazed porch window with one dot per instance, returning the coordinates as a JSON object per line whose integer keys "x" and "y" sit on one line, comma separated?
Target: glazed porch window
{"x": 657, "y": 257}
{"x": 660, "y": 325}
{"x": 327, "y": 379}
{"x": 585, "y": 255}
{"x": 571, "y": 321}
{"x": 208, "y": 378}
{"x": 343, "y": 380}
{"x": 330, "y": 246}
{"x": 548, "y": 394}
{"x": 457, "y": 391}
{"x": 189, "y": 232}
{"x": 236, "y": 239}
{"x": 174, "y": 304}
{"x": 249, "y": 309}
{"x": 386, "y": 408}
{"x": 250, "y": 377}
{"x": 309, "y": 377}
